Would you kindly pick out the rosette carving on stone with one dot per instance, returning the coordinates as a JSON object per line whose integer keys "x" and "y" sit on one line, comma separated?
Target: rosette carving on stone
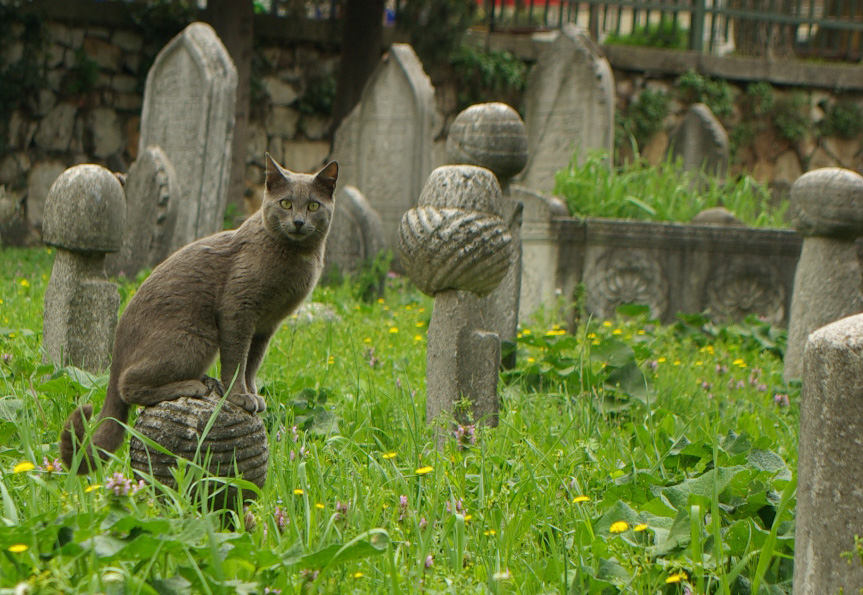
{"x": 737, "y": 291}
{"x": 456, "y": 238}
{"x": 236, "y": 444}
{"x": 626, "y": 277}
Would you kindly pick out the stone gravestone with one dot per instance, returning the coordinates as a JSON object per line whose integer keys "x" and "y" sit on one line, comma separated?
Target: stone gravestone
{"x": 700, "y": 142}
{"x": 84, "y": 218}
{"x": 384, "y": 145}
{"x": 830, "y": 468}
{"x": 151, "y": 203}
{"x": 569, "y": 107}
{"x": 827, "y": 209}
{"x": 356, "y": 233}
{"x": 188, "y": 112}
{"x": 456, "y": 247}
{"x": 492, "y": 135}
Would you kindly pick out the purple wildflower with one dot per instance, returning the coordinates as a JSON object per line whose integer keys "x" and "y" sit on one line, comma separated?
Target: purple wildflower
{"x": 465, "y": 436}
{"x": 281, "y": 518}
{"x": 429, "y": 561}
{"x": 781, "y": 400}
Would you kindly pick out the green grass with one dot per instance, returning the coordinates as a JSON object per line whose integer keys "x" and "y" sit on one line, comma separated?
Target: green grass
{"x": 629, "y": 456}
{"x": 637, "y": 190}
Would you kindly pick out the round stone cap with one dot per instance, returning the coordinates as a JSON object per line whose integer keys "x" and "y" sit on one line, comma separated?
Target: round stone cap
{"x": 828, "y": 202}
{"x": 490, "y": 135}
{"x": 462, "y": 187}
{"x": 85, "y": 210}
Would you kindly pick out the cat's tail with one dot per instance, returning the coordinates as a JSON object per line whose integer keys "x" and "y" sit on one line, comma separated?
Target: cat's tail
{"x": 106, "y": 438}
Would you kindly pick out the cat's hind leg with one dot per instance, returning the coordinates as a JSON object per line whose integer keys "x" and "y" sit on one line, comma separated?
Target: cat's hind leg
{"x": 143, "y": 388}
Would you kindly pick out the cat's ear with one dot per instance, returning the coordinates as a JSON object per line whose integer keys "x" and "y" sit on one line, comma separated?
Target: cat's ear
{"x": 327, "y": 177}
{"x": 274, "y": 173}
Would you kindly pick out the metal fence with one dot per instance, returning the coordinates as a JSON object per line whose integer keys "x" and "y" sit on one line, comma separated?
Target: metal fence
{"x": 828, "y": 29}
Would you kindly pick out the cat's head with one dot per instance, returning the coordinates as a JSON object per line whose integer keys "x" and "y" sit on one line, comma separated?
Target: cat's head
{"x": 299, "y": 207}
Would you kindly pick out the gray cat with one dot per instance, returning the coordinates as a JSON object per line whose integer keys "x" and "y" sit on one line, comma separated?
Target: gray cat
{"x": 226, "y": 294}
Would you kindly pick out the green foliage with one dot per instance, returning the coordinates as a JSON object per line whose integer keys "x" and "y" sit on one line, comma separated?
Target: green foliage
{"x": 716, "y": 94}
{"x": 436, "y": 27}
{"x": 645, "y": 116}
{"x": 488, "y": 76}
{"x": 367, "y": 283}
{"x": 81, "y": 78}
{"x": 760, "y": 99}
{"x": 319, "y": 95}
{"x": 843, "y": 118}
{"x": 666, "y": 193}
{"x": 667, "y": 34}
{"x": 791, "y": 117}
{"x": 629, "y": 455}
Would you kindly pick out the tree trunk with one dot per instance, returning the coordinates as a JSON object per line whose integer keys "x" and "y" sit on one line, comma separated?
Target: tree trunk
{"x": 760, "y": 38}
{"x": 234, "y": 23}
{"x": 362, "y": 38}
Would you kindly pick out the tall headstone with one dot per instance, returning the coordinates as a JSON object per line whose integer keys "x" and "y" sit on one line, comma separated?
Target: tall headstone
{"x": 492, "y": 135}
{"x": 188, "y": 112}
{"x": 569, "y": 107}
{"x": 827, "y": 208}
{"x": 700, "y": 142}
{"x": 456, "y": 247}
{"x": 830, "y": 466}
{"x": 84, "y": 218}
{"x": 384, "y": 145}
{"x": 356, "y": 233}
{"x": 151, "y": 202}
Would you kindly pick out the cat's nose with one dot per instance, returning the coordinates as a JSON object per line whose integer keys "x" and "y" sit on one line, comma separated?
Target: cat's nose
{"x": 298, "y": 223}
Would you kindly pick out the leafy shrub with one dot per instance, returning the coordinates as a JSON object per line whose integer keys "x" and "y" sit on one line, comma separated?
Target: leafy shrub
{"x": 666, "y": 34}
{"x": 488, "y": 76}
{"x": 646, "y": 114}
{"x": 844, "y": 119}
{"x": 716, "y": 94}
{"x": 667, "y": 193}
{"x": 791, "y": 117}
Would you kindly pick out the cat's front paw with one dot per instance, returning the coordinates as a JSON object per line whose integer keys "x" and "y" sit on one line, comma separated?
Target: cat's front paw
{"x": 249, "y": 402}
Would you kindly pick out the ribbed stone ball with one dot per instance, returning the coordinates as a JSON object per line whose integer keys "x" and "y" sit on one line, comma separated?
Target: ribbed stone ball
{"x": 490, "y": 135}
{"x": 828, "y": 202}
{"x": 85, "y": 210}
{"x": 235, "y": 445}
{"x": 455, "y": 238}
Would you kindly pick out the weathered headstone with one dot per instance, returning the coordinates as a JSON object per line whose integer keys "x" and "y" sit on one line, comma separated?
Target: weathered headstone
{"x": 356, "y": 233}
{"x": 384, "y": 145}
{"x": 188, "y": 112}
{"x": 569, "y": 106}
{"x": 492, "y": 135}
{"x": 830, "y": 468}
{"x": 700, "y": 142}
{"x": 84, "y": 218}
{"x": 151, "y": 204}
{"x": 827, "y": 208}
{"x": 456, "y": 247}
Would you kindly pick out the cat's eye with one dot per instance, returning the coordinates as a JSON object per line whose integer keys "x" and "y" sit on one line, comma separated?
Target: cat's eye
{"x": 313, "y": 206}
{"x": 286, "y": 203}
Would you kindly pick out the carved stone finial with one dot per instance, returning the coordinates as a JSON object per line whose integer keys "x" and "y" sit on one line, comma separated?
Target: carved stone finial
{"x": 490, "y": 135}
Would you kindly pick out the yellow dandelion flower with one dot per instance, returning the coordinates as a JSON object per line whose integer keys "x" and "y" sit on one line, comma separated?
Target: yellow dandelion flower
{"x": 23, "y": 467}
{"x": 580, "y": 499}
{"x": 699, "y": 363}
{"x": 490, "y": 532}
{"x": 676, "y": 578}
{"x": 394, "y": 330}
{"x": 298, "y": 491}
{"x": 358, "y": 575}
{"x": 555, "y": 333}
{"x": 739, "y": 362}
{"x": 661, "y": 359}
{"x": 418, "y": 338}
{"x": 331, "y": 359}
{"x": 367, "y": 340}
{"x": 390, "y": 455}
{"x": 641, "y": 331}
{"x": 420, "y": 324}
{"x": 617, "y": 331}
{"x": 1, "y": 301}
{"x": 381, "y": 301}
{"x": 25, "y": 283}
{"x": 526, "y": 331}
{"x": 640, "y": 527}
{"x": 677, "y": 362}
{"x": 93, "y": 487}
{"x": 618, "y": 527}
{"x": 18, "y": 548}
{"x": 319, "y": 506}
{"x": 531, "y": 360}
{"x": 591, "y": 335}
{"x": 606, "y": 324}
{"x": 424, "y": 470}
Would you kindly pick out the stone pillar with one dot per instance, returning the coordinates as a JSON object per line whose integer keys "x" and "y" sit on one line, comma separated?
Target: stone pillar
{"x": 456, "y": 246}
{"x": 827, "y": 209}
{"x": 492, "y": 135}
{"x": 830, "y": 466}
{"x": 84, "y": 219}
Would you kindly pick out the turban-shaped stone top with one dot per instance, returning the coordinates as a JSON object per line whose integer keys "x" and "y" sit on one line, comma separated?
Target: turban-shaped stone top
{"x": 85, "y": 210}
{"x": 455, "y": 238}
{"x": 828, "y": 202}
{"x": 490, "y": 135}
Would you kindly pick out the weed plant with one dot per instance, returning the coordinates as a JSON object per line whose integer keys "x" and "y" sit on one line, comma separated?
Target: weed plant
{"x": 636, "y": 190}
{"x": 630, "y": 458}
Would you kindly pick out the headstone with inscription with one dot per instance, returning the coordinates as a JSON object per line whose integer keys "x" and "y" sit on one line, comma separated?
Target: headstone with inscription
{"x": 569, "y": 107}
{"x": 188, "y": 112}
{"x": 384, "y": 145}
{"x": 456, "y": 247}
{"x": 151, "y": 201}
{"x": 84, "y": 218}
{"x": 700, "y": 142}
